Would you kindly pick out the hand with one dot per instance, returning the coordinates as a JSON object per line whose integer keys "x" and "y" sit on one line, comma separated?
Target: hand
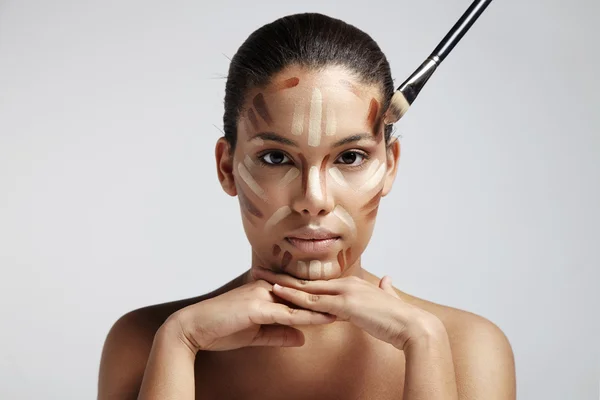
{"x": 378, "y": 310}
{"x": 249, "y": 315}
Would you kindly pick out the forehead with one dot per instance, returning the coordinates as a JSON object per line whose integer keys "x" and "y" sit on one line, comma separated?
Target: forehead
{"x": 333, "y": 92}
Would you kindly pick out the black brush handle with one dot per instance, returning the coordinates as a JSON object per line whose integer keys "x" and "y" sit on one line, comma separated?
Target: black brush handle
{"x": 411, "y": 87}
{"x": 458, "y": 30}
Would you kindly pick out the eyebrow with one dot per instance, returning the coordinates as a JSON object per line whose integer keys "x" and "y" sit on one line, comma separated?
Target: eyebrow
{"x": 274, "y": 137}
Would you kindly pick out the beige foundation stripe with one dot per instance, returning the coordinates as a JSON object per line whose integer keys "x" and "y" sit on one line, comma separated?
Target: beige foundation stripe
{"x": 331, "y": 124}
{"x": 278, "y": 216}
{"x": 302, "y": 268}
{"x": 343, "y": 215}
{"x": 374, "y": 180}
{"x": 289, "y": 176}
{"x": 298, "y": 120}
{"x": 248, "y": 162}
{"x": 247, "y": 177}
{"x": 314, "y": 184}
{"x": 314, "y": 122}
{"x": 327, "y": 269}
{"x": 314, "y": 271}
{"x": 337, "y": 176}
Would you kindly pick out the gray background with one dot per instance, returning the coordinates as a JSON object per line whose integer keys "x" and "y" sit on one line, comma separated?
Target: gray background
{"x": 109, "y": 199}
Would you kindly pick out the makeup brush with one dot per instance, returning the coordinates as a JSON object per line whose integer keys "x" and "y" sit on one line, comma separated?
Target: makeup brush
{"x": 407, "y": 92}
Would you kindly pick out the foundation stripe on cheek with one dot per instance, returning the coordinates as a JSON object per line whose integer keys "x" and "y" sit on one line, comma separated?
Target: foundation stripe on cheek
{"x": 374, "y": 180}
{"x": 261, "y": 108}
{"x": 338, "y": 177}
{"x": 340, "y": 258}
{"x": 248, "y": 163}
{"x": 277, "y": 217}
{"x": 314, "y": 184}
{"x": 247, "y": 177}
{"x": 298, "y": 120}
{"x": 276, "y": 250}
{"x": 374, "y": 202}
{"x": 247, "y": 204}
{"x": 289, "y": 176}
{"x": 343, "y": 215}
{"x": 314, "y": 122}
{"x": 331, "y": 125}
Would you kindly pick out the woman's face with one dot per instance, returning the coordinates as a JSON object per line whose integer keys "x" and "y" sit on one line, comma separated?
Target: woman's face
{"x": 309, "y": 168}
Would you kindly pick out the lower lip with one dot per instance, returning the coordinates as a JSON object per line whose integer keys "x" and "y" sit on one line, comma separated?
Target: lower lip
{"x": 312, "y": 246}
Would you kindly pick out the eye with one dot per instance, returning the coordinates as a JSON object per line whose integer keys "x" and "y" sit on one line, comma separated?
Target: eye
{"x": 275, "y": 158}
{"x": 351, "y": 158}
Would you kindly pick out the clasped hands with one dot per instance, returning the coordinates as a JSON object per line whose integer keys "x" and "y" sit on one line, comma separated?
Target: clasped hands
{"x": 378, "y": 310}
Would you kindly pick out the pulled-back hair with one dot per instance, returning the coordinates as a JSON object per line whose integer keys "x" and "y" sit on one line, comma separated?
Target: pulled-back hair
{"x": 309, "y": 40}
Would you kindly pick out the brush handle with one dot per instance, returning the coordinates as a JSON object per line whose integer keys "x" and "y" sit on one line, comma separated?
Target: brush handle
{"x": 458, "y": 30}
{"x": 411, "y": 87}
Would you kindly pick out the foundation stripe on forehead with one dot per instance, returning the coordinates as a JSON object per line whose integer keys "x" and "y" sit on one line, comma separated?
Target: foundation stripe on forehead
{"x": 314, "y": 122}
{"x": 261, "y": 108}
{"x": 252, "y": 118}
{"x": 331, "y": 124}
{"x": 343, "y": 215}
{"x": 349, "y": 86}
{"x": 374, "y": 180}
{"x": 292, "y": 174}
{"x": 287, "y": 84}
{"x": 249, "y": 180}
{"x": 278, "y": 216}
{"x": 373, "y": 111}
{"x": 298, "y": 119}
{"x": 338, "y": 177}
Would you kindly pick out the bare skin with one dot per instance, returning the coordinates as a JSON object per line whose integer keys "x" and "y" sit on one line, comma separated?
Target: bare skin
{"x": 310, "y": 168}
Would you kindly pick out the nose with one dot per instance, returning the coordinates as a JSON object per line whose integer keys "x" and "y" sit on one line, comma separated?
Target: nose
{"x": 314, "y": 198}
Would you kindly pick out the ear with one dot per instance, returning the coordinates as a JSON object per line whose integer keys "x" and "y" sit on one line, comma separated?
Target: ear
{"x": 393, "y": 156}
{"x": 224, "y": 158}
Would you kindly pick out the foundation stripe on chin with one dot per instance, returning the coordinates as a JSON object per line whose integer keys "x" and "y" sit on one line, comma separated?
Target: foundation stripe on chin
{"x": 343, "y": 215}
{"x": 289, "y": 176}
{"x": 247, "y": 177}
{"x": 277, "y": 217}
{"x": 314, "y": 270}
{"x": 314, "y": 122}
{"x": 303, "y": 268}
{"x": 298, "y": 120}
{"x": 327, "y": 270}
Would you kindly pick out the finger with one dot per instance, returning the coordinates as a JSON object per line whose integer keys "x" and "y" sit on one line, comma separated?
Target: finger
{"x": 386, "y": 285}
{"x": 278, "y": 336}
{"x": 330, "y": 304}
{"x": 275, "y": 313}
{"x": 332, "y": 286}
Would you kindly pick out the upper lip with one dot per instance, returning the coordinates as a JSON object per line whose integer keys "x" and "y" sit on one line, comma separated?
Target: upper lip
{"x": 307, "y": 233}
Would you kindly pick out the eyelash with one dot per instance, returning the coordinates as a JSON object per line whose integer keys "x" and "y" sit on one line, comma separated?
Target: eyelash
{"x": 361, "y": 153}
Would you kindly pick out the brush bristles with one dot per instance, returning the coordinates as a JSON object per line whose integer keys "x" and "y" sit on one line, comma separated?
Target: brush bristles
{"x": 398, "y": 107}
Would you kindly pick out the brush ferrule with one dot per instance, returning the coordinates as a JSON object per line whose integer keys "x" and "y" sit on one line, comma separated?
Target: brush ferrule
{"x": 413, "y": 85}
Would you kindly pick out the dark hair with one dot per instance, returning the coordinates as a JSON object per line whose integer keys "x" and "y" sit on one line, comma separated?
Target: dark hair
{"x": 309, "y": 40}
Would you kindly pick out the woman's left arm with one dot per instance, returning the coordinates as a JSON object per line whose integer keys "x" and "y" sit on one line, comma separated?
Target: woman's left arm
{"x": 474, "y": 363}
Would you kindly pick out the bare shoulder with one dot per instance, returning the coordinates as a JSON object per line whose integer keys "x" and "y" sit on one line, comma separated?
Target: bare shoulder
{"x": 482, "y": 354}
{"x": 129, "y": 342}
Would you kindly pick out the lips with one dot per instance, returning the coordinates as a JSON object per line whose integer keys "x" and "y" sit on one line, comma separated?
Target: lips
{"x": 309, "y": 240}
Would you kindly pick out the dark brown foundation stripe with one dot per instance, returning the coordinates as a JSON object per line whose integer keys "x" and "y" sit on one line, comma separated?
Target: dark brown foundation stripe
{"x": 261, "y": 108}
{"x": 252, "y": 118}
{"x": 276, "y": 250}
{"x": 373, "y": 213}
{"x": 288, "y": 83}
{"x": 348, "y": 255}
{"x": 373, "y": 111}
{"x": 248, "y": 205}
{"x": 285, "y": 261}
{"x": 304, "y": 173}
{"x": 373, "y": 202}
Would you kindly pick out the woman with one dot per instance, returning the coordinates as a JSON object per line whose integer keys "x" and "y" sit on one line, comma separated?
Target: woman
{"x": 308, "y": 155}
